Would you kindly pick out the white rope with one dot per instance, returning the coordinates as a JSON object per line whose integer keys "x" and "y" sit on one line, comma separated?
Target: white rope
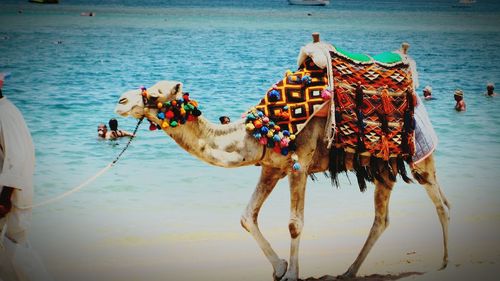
{"x": 88, "y": 181}
{"x": 71, "y": 191}
{"x": 330, "y": 129}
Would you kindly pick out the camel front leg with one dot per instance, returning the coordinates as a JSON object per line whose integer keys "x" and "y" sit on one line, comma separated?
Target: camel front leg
{"x": 297, "y": 195}
{"x": 268, "y": 179}
{"x": 380, "y": 223}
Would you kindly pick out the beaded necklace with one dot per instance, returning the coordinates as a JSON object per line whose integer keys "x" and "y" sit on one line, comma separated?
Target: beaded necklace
{"x": 172, "y": 113}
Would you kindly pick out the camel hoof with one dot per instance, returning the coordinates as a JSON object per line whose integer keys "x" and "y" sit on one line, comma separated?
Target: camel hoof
{"x": 346, "y": 275}
{"x": 444, "y": 265}
{"x": 290, "y": 277}
{"x": 280, "y": 270}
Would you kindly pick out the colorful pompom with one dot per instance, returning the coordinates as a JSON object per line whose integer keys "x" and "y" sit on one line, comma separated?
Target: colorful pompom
{"x": 161, "y": 115}
{"x": 169, "y": 114}
{"x": 174, "y": 124}
{"x": 284, "y": 142}
{"x": 285, "y": 115}
{"x": 258, "y": 123}
{"x": 196, "y": 112}
{"x": 273, "y": 96}
{"x": 306, "y": 79}
{"x": 250, "y": 126}
{"x": 326, "y": 94}
{"x": 277, "y": 149}
{"x": 296, "y": 166}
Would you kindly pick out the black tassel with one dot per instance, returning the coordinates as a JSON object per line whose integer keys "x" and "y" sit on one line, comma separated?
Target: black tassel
{"x": 384, "y": 123}
{"x": 392, "y": 174}
{"x": 359, "y": 96}
{"x": 410, "y": 98}
{"x": 402, "y": 170}
{"x": 335, "y": 164}
{"x": 409, "y": 122}
{"x": 375, "y": 168}
{"x": 361, "y": 132}
{"x": 360, "y": 173}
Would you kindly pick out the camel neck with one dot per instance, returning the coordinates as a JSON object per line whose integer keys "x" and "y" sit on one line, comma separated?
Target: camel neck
{"x": 220, "y": 145}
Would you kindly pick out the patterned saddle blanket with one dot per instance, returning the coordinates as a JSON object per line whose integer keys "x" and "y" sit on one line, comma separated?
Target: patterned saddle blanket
{"x": 374, "y": 106}
{"x": 374, "y": 103}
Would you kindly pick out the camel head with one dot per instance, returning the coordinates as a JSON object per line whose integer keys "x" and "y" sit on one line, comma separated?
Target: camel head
{"x": 131, "y": 103}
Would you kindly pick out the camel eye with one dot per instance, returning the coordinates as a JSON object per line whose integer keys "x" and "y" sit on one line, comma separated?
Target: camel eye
{"x": 123, "y": 101}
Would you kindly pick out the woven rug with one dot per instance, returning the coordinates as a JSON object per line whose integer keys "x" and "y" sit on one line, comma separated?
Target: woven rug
{"x": 291, "y": 102}
{"x": 374, "y": 104}
{"x": 374, "y": 108}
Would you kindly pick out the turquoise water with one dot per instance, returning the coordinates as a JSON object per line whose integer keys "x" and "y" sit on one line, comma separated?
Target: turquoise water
{"x": 68, "y": 71}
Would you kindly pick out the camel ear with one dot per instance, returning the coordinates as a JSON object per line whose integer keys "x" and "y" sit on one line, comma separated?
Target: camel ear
{"x": 176, "y": 90}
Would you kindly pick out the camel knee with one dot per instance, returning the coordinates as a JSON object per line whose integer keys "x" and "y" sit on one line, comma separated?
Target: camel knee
{"x": 443, "y": 213}
{"x": 295, "y": 227}
{"x": 381, "y": 223}
{"x": 247, "y": 222}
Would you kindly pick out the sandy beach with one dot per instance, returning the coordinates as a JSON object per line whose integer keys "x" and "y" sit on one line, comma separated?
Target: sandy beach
{"x": 124, "y": 241}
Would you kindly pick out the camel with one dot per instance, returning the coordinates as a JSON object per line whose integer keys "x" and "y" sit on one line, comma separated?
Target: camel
{"x": 232, "y": 146}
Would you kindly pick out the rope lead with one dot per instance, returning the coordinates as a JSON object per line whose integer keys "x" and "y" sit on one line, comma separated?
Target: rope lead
{"x": 88, "y": 181}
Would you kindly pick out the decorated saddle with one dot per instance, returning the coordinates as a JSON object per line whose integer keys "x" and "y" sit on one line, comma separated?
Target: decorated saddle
{"x": 373, "y": 101}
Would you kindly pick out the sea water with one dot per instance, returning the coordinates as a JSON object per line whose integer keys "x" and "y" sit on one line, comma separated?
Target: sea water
{"x": 68, "y": 71}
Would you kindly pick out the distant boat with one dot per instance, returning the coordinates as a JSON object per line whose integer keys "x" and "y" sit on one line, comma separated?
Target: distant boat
{"x": 309, "y": 2}
{"x": 464, "y": 4}
{"x": 45, "y": 1}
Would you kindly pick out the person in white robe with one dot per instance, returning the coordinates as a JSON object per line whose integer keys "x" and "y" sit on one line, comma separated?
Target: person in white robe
{"x": 17, "y": 165}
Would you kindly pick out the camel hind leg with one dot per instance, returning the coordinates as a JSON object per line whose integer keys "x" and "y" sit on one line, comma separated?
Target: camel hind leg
{"x": 425, "y": 173}
{"x": 380, "y": 223}
{"x": 268, "y": 179}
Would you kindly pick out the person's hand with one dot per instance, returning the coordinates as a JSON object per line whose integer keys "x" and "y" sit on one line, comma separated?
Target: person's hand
{"x": 5, "y": 208}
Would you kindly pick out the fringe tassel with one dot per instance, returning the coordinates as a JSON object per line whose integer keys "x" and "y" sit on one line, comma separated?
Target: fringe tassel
{"x": 384, "y": 150}
{"x": 361, "y": 173}
{"x": 402, "y": 170}
{"x": 336, "y": 165}
{"x": 409, "y": 122}
{"x": 375, "y": 168}
{"x": 386, "y": 102}
{"x": 359, "y": 96}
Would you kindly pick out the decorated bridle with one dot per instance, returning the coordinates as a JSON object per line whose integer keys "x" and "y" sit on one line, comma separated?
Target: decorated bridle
{"x": 171, "y": 113}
